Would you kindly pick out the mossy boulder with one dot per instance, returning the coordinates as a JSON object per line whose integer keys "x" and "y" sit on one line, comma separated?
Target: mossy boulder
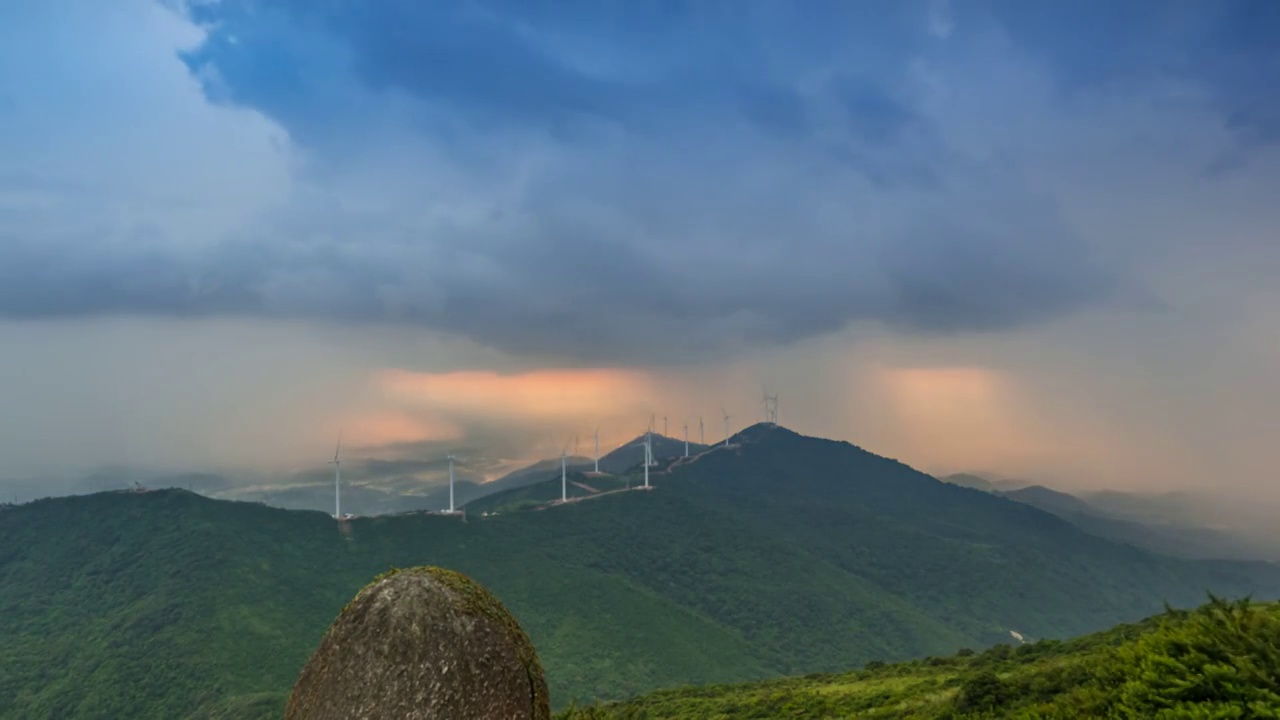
{"x": 422, "y": 643}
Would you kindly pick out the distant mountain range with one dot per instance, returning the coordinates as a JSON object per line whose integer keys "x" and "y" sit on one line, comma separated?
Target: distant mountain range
{"x": 1165, "y": 523}
{"x": 779, "y": 554}
{"x": 619, "y": 470}
{"x": 979, "y": 482}
{"x": 624, "y": 458}
{"x": 371, "y": 486}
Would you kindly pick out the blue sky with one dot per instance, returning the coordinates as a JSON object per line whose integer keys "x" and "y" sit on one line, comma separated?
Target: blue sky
{"x": 665, "y": 187}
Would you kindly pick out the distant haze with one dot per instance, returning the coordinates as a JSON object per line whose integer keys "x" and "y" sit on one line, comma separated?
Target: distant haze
{"x": 946, "y": 233}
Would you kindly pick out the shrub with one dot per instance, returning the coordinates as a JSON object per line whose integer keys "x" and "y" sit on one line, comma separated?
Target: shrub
{"x": 998, "y": 652}
{"x": 983, "y": 691}
{"x": 1223, "y": 659}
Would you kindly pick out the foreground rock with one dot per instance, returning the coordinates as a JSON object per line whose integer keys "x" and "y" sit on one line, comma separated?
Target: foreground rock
{"x": 422, "y": 643}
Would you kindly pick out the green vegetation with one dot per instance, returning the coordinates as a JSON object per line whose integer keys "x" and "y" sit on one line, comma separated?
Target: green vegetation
{"x": 784, "y": 555}
{"x": 1219, "y": 661}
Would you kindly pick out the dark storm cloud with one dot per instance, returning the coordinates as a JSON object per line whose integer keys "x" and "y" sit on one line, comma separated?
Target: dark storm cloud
{"x": 625, "y": 181}
{"x": 1227, "y": 48}
{"x": 562, "y": 293}
{"x": 639, "y": 65}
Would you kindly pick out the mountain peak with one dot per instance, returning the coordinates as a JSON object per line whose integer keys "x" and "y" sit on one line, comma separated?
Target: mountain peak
{"x": 761, "y": 429}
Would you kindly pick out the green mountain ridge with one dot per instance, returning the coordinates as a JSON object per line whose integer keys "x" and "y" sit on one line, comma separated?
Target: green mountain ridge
{"x": 778, "y": 555}
{"x": 371, "y": 485}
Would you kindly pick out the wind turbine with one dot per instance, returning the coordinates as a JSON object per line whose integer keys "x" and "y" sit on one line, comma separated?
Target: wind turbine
{"x": 597, "y": 437}
{"x": 726, "y": 427}
{"x": 702, "y": 433}
{"x": 337, "y": 479}
{"x": 564, "y": 476}
{"x": 648, "y": 451}
{"x": 648, "y": 445}
{"x": 770, "y": 407}
{"x": 686, "y": 439}
{"x": 451, "y": 507}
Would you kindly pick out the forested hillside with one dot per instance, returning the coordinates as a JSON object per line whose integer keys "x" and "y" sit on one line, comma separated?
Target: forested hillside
{"x": 779, "y": 555}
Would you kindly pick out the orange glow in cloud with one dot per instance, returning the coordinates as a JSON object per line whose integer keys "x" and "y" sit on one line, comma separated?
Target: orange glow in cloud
{"x": 540, "y": 394}
{"x": 386, "y": 428}
{"x": 959, "y": 416}
{"x": 942, "y": 393}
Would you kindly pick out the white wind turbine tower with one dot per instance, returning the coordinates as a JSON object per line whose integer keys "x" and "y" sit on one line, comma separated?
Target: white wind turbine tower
{"x": 648, "y": 451}
{"x": 770, "y": 408}
{"x": 337, "y": 479}
{"x": 648, "y": 445}
{"x": 451, "y": 507}
{"x": 686, "y": 439}
{"x": 597, "y": 438}
{"x": 564, "y": 476}
{"x": 702, "y": 433}
{"x": 726, "y": 427}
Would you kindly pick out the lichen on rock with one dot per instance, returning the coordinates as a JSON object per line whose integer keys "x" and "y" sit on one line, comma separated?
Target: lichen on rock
{"x": 422, "y": 643}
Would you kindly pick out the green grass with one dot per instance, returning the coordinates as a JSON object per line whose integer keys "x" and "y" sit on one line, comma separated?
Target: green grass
{"x": 1220, "y": 661}
{"x": 786, "y": 556}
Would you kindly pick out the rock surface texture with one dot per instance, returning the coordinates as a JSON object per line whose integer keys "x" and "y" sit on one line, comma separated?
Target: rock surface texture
{"x": 422, "y": 643}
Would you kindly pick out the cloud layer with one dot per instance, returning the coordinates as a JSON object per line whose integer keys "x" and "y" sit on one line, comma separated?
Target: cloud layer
{"x": 590, "y": 184}
{"x": 1060, "y": 218}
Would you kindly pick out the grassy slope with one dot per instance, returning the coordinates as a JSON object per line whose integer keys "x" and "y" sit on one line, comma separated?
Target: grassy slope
{"x": 1218, "y": 661}
{"x": 785, "y": 556}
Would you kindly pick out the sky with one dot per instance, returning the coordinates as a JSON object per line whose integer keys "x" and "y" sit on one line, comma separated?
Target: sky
{"x": 1037, "y": 240}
